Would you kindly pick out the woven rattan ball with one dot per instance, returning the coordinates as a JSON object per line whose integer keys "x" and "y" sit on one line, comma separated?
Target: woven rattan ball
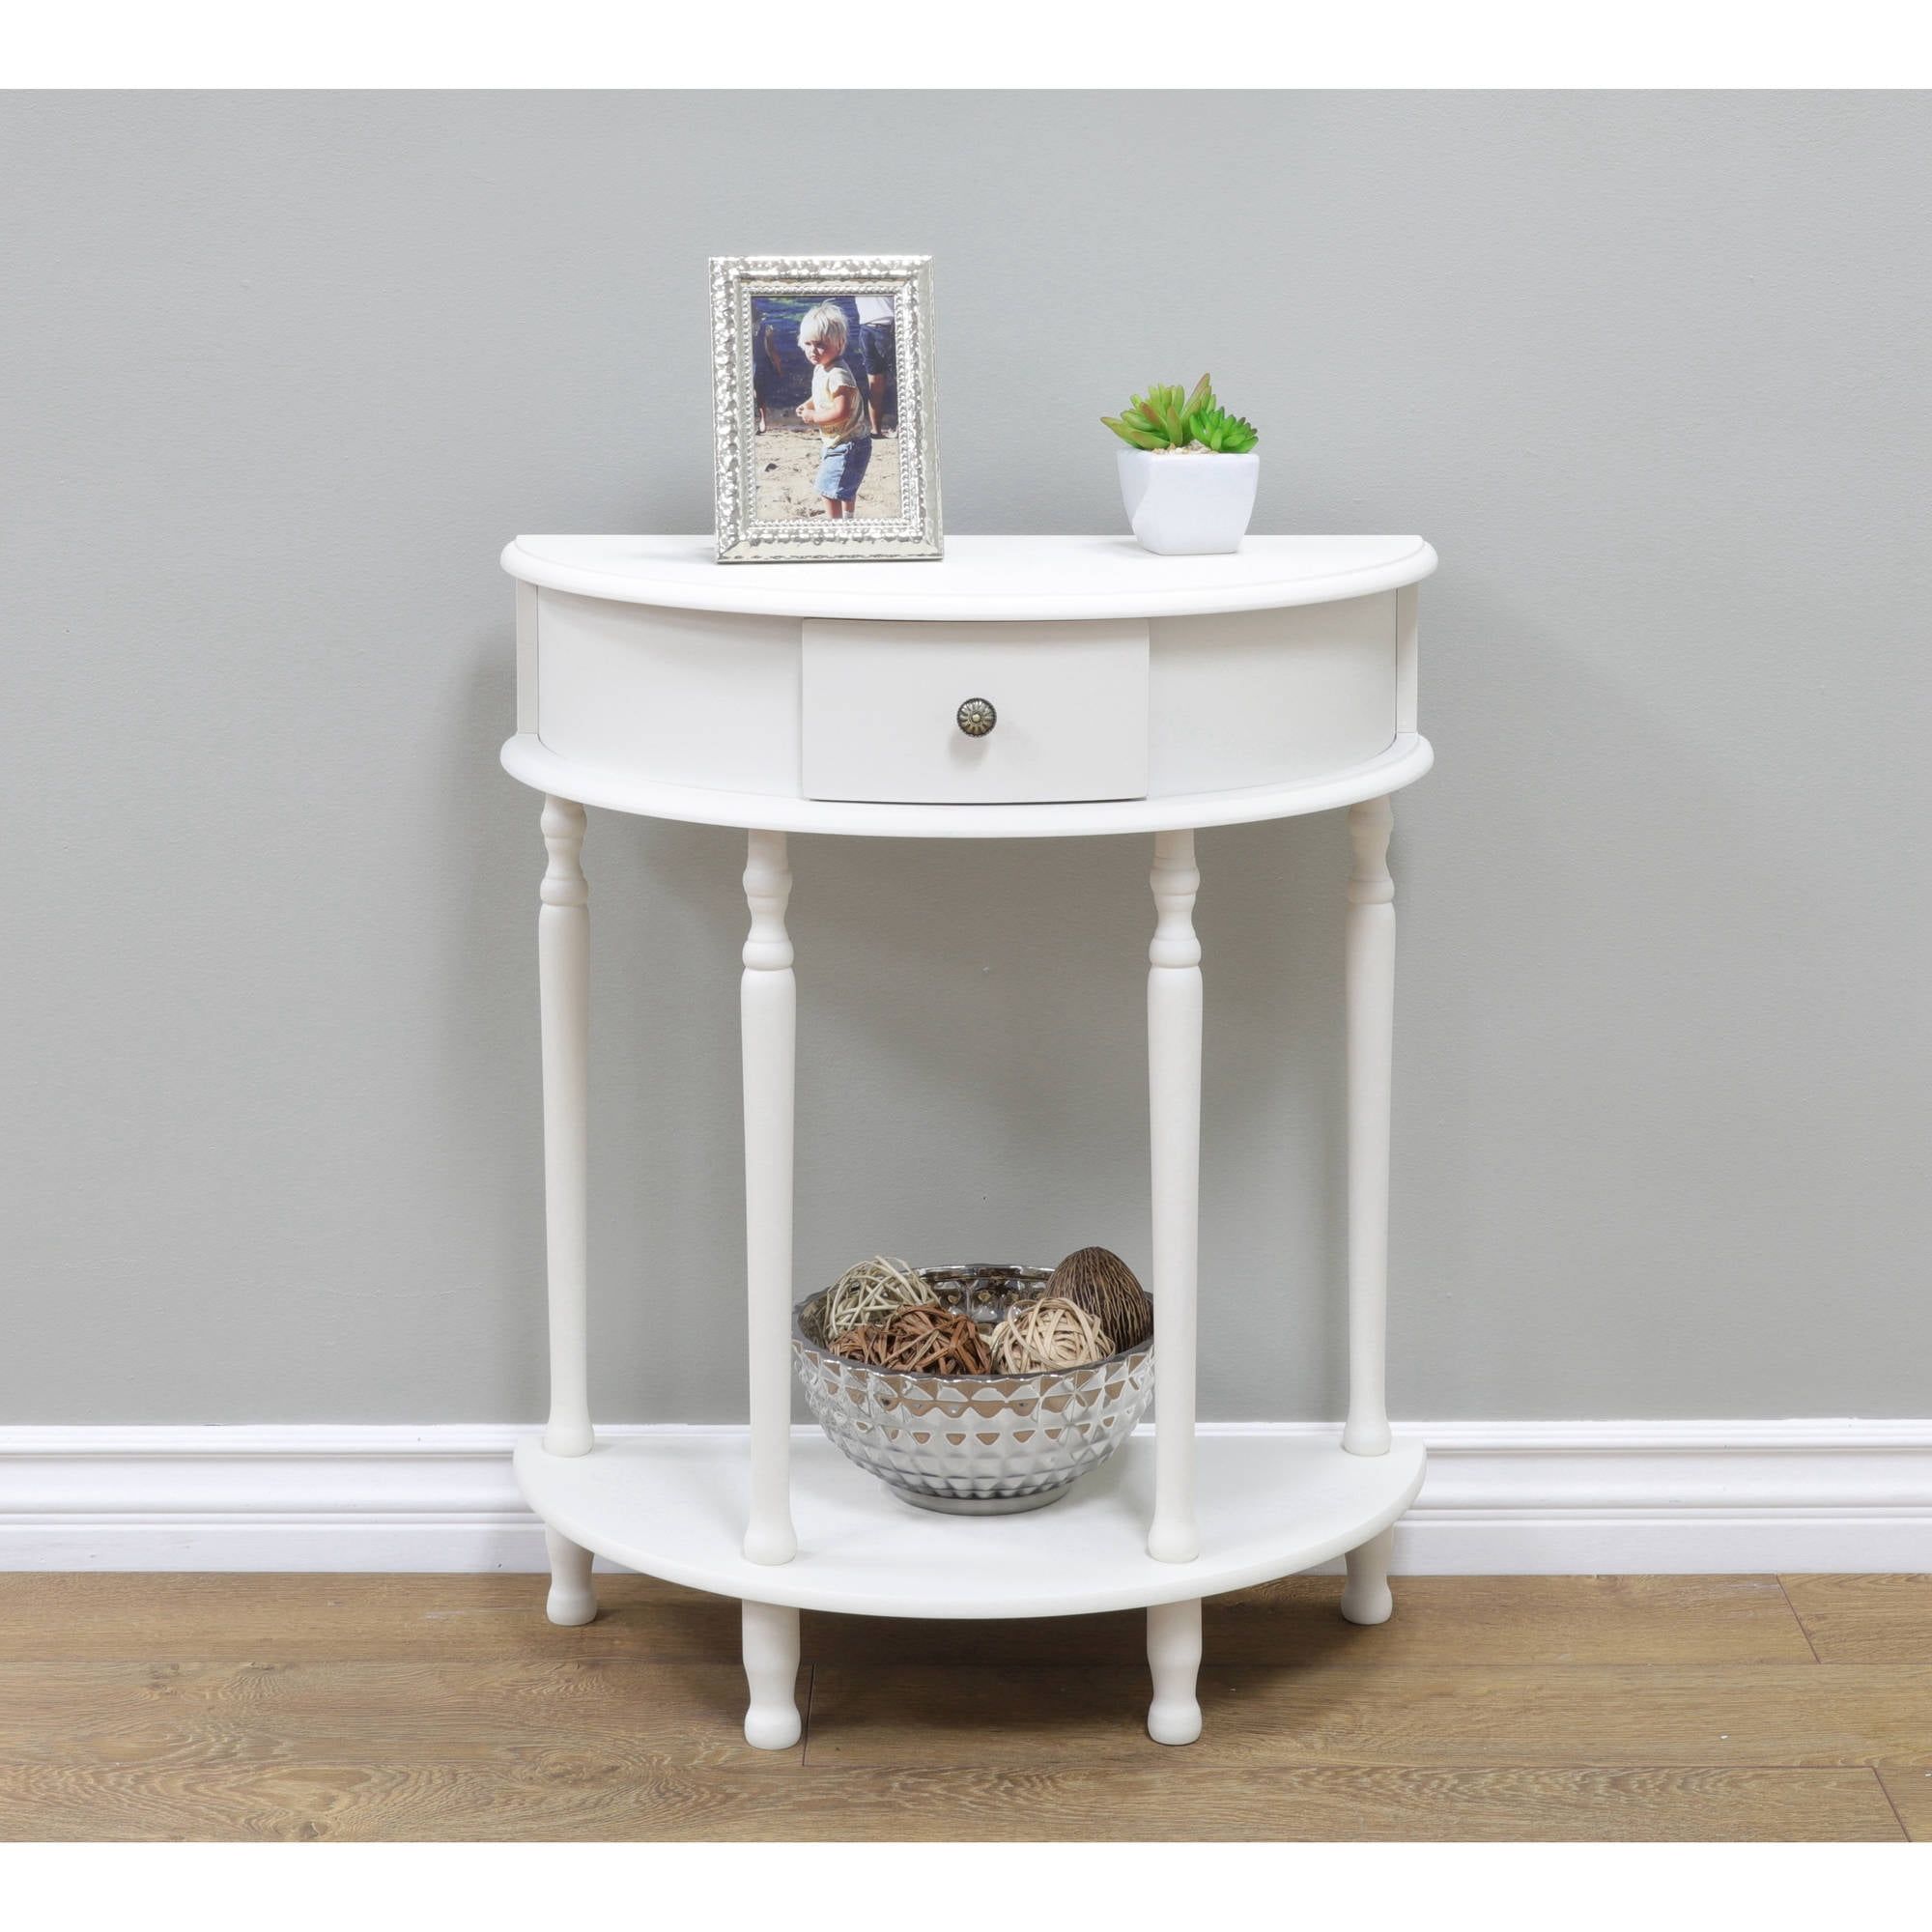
{"x": 925, "y": 1341}
{"x": 869, "y": 1291}
{"x": 1047, "y": 1334}
{"x": 1102, "y": 1283}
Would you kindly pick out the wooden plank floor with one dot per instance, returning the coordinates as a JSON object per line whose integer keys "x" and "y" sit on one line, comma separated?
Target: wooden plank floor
{"x": 249, "y": 1707}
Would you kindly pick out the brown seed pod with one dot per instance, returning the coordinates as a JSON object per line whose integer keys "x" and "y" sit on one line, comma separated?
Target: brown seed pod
{"x": 1100, "y": 1282}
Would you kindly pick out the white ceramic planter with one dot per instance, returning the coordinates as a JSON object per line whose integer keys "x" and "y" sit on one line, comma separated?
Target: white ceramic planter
{"x": 1189, "y": 502}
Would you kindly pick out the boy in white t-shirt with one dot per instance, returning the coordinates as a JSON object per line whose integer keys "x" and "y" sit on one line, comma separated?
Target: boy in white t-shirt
{"x": 836, "y": 409}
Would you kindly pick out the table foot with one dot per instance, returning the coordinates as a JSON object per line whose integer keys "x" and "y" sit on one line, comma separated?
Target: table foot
{"x": 771, "y": 1670}
{"x": 1366, "y": 1597}
{"x": 573, "y": 1596}
{"x": 1173, "y": 1658}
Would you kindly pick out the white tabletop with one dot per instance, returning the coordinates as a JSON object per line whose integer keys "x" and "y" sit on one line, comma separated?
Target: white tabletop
{"x": 981, "y": 578}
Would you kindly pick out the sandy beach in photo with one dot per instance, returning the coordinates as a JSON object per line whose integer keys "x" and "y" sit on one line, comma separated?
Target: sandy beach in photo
{"x": 784, "y": 460}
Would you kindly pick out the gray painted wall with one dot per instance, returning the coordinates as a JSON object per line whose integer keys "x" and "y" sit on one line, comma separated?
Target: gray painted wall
{"x": 281, "y": 373}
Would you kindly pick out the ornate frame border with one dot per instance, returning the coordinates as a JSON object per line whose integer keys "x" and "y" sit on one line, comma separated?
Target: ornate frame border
{"x": 742, "y": 539}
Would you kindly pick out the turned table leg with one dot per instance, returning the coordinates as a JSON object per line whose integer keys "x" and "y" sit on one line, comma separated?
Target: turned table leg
{"x": 1173, "y": 1097}
{"x": 771, "y": 1670}
{"x": 563, "y": 987}
{"x": 564, "y": 979}
{"x": 768, "y": 1015}
{"x": 1174, "y": 1660}
{"x": 1371, "y": 1030}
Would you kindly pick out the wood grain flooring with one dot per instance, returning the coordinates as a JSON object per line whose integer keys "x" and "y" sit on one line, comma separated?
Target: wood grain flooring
{"x": 305, "y": 1707}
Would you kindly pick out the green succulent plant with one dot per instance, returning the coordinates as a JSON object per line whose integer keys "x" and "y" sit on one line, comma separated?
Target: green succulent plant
{"x": 1164, "y": 419}
{"x": 1215, "y": 429}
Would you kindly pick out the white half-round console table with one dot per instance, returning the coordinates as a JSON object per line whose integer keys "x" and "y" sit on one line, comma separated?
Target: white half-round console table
{"x": 1023, "y": 688}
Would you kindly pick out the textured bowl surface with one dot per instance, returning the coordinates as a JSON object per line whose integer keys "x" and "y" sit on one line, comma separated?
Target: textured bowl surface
{"x": 976, "y": 1445}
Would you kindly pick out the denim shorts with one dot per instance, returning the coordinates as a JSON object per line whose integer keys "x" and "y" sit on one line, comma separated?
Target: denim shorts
{"x": 842, "y": 468}
{"x": 876, "y": 343}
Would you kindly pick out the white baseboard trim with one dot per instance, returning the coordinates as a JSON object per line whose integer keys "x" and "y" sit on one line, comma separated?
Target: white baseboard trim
{"x": 1500, "y": 1497}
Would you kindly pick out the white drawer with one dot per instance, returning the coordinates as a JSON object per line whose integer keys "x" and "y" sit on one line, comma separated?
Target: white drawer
{"x": 881, "y": 701}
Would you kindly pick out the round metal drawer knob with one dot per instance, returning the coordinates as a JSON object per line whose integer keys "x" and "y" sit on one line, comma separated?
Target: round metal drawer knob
{"x": 977, "y": 716}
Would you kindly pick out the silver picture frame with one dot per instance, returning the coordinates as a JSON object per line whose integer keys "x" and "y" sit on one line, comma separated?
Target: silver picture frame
{"x": 744, "y": 535}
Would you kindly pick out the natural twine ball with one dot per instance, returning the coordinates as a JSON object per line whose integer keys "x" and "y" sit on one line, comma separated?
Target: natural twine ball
{"x": 1102, "y": 1283}
{"x": 1047, "y": 1334}
{"x": 925, "y": 1341}
{"x": 868, "y": 1293}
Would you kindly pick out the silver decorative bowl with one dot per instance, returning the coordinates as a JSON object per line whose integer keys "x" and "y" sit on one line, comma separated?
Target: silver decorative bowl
{"x": 972, "y": 1445}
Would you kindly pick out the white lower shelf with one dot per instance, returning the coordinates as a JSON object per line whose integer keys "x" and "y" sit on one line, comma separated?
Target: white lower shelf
{"x": 674, "y": 1507}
